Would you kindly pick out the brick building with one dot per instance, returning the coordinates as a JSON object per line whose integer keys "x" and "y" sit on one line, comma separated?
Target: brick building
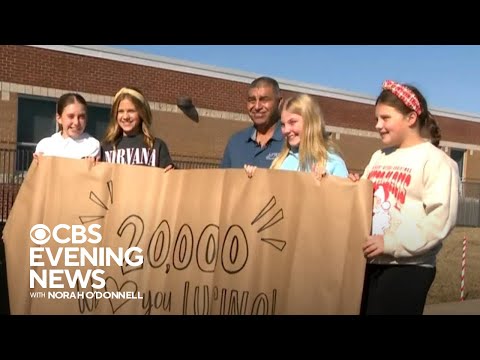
{"x": 33, "y": 77}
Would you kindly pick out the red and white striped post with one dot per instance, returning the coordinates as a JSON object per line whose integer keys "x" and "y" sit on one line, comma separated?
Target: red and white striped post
{"x": 464, "y": 253}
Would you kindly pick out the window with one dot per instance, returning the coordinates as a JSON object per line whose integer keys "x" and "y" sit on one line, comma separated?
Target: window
{"x": 36, "y": 120}
{"x": 457, "y": 155}
{"x": 98, "y": 117}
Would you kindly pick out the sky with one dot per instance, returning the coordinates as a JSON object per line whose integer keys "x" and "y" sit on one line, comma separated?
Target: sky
{"x": 447, "y": 75}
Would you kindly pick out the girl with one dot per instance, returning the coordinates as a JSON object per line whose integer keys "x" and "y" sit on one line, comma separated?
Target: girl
{"x": 416, "y": 189}
{"x": 128, "y": 138}
{"x": 71, "y": 141}
{"x": 307, "y": 146}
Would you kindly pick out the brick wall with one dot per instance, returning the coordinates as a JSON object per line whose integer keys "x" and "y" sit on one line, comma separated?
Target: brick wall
{"x": 48, "y": 68}
{"x": 8, "y": 121}
{"x": 207, "y": 137}
{"x": 357, "y": 150}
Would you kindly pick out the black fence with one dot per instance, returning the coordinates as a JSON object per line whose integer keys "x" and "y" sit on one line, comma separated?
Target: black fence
{"x": 13, "y": 167}
{"x": 189, "y": 162}
{"x": 4, "y": 303}
{"x": 14, "y": 164}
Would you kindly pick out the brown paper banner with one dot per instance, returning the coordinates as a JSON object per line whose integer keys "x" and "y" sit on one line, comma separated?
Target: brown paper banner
{"x": 212, "y": 241}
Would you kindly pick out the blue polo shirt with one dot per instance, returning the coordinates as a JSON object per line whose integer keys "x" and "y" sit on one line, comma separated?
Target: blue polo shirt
{"x": 335, "y": 164}
{"x": 242, "y": 148}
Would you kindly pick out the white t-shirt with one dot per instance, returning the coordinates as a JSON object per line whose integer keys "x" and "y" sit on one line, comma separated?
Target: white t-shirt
{"x": 56, "y": 145}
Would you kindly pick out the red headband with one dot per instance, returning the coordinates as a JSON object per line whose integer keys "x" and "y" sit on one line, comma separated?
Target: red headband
{"x": 407, "y": 96}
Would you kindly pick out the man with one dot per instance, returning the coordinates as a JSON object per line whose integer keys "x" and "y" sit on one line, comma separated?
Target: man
{"x": 260, "y": 143}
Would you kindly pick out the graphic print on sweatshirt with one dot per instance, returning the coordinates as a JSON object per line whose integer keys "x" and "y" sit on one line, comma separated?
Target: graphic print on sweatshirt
{"x": 389, "y": 191}
{"x": 132, "y": 156}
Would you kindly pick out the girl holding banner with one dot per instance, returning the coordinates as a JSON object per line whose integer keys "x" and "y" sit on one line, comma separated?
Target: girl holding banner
{"x": 416, "y": 189}
{"x": 128, "y": 138}
{"x": 71, "y": 141}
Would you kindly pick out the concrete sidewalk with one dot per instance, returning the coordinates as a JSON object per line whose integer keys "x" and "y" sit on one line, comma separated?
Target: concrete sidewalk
{"x": 467, "y": 307}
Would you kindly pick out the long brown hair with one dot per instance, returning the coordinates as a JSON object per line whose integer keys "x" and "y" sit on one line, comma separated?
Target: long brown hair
{"x": 426, "y": 121}
{"x": 114, "y": 132}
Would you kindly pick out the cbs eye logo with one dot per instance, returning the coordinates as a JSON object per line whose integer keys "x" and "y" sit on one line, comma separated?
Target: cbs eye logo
{"x": 40, "y": 234}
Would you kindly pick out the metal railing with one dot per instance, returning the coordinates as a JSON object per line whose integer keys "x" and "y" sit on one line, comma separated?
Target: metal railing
{"x": 11, "y": 177}
{"x": 469, "y": 205}
{"x": 190, "y": 162}
{"x": 14, "y": 164}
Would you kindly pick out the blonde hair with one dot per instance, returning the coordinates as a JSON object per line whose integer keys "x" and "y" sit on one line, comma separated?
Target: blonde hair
{"x": 114, "y": 132}
{"x": 315, "y": 142}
